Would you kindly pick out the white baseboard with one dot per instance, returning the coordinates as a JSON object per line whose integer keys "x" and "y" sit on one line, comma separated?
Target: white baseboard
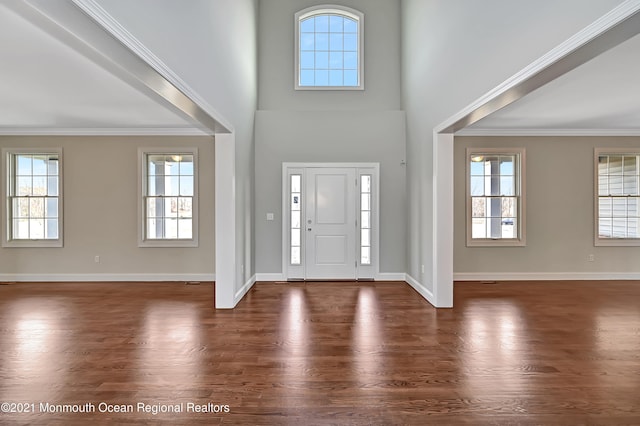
{"x": 244, "y": 289}
{"x": 382, "y": 276}
{"x": 105, "y": 277}
{"x": 391, "y": 276}
{"x": 425, "y": 292}
{"x": 545, "y": 276}
{"x": 270, "y": 277}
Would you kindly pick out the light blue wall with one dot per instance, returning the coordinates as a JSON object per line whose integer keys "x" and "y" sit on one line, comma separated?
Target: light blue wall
{"x": 381, "y": 59}
{"x": 330, "y": 126}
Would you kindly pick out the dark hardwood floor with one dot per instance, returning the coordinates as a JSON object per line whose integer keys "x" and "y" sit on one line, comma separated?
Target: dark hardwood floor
{"x": 545, "y": 353}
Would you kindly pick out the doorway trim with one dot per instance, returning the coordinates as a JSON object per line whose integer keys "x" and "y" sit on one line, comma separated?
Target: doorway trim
{"x": 363, "y": 272}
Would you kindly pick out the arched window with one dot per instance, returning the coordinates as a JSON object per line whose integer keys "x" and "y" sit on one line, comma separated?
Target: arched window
{"x": 329, "y": 48}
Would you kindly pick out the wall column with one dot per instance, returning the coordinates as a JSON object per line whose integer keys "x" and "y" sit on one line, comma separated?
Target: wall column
{"x": 225, "y": 220}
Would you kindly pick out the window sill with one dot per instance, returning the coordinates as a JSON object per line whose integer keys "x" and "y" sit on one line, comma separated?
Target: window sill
{"x": 168, "y": 243}
{"x": 617, "y": 242}
{"x": 496, "y": 243}
{"x": 330, "y": 88}
{"x": 32, "y": 244}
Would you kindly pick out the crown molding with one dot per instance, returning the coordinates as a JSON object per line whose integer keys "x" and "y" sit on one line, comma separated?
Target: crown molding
{"x": 148, "y": 131}
{"x": 548, "y": 132}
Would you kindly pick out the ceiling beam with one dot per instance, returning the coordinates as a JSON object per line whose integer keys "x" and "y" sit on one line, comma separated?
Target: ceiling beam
{"x": 619, "y": 25}
{"x": 73, "y": 24}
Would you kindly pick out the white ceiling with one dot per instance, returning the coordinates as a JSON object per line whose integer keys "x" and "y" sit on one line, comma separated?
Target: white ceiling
{"x": 600, "y": 97}
{"x": 45, "y": 85}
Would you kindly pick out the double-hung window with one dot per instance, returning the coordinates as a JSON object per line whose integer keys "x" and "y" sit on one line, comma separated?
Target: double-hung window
{"x": 169, "y": 198}
{"x": 495, "y": 197}
{"x": 617, "y": 204}
{"x": 328, "y": 51}
{"x": 33, "y": 198}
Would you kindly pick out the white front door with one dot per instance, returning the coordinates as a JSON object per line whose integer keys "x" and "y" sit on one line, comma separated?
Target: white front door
{"x": 330, "y": 223}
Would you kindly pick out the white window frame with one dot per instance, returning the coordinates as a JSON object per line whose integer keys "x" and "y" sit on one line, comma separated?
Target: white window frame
{"x": 292, "y": 270}
{"x": 371, "y": 269}
{"x": 331, "y": 10}
{"x": 520, "y": 186}
{"x": 142, "y": 193}
{"x": 9, "y": 173}
{"x": 608, "y": 242}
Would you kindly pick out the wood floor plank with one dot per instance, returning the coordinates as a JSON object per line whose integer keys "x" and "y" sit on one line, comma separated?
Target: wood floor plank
{"x": 553, "y": 353}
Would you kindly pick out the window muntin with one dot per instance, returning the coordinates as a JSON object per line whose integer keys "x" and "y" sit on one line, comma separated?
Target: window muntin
{"x": 169, "y": 198}
{"x": 329, "y": 48}
{"x": 33, "y": 197}
{"x": 495, "y": 190}
{"x": 617, "y": 197}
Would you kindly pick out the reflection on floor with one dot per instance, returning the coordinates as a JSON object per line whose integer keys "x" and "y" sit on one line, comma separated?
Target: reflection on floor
{"x": 320, "y": 353}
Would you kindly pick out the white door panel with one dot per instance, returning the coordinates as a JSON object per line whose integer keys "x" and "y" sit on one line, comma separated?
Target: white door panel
{"x": 331, "y": 199}
{"x": 330, "y": 223}
{"x": 331, "y": 250}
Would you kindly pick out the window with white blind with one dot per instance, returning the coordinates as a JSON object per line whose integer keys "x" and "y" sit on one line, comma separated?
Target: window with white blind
{"x": 169, "y": 198}
{"x": 617, "y": 204}
{"x": 495, "y": 197}
{"x": 33, "y": 198}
